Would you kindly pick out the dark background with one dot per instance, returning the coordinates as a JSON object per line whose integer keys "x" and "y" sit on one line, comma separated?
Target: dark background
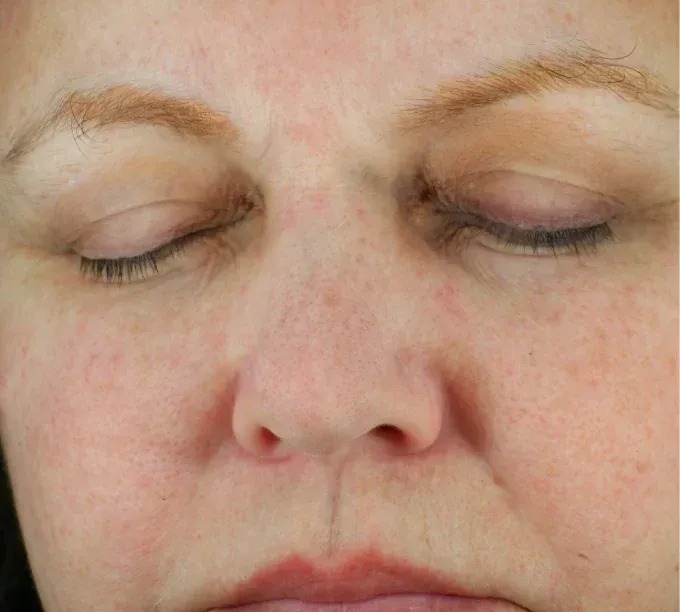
{"x": 17, "y": 591}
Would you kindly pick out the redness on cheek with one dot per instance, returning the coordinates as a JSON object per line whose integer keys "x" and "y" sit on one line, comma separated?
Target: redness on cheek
{"x": 94, "y": 366}
{"x": 288, "y": 218}
{"x": 554, "y": 317}
{"x": 447, "y": 297}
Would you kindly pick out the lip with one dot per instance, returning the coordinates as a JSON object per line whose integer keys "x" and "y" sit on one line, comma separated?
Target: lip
{"x": 368, "y": 580}
{"x": 396, "y": 603}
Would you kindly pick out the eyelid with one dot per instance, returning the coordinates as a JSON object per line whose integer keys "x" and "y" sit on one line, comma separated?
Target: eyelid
{"x": 457, "y": 219}
{"x": 147, "y": 228}
{"x": 527, "y": 201}
{"x": 139, "y": 265}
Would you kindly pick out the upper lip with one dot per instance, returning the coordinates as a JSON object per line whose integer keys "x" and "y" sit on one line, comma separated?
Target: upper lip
{"x": 361, "y": 577}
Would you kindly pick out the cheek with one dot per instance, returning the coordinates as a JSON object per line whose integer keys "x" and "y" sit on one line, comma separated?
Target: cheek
{"x": 587, "y": 421}
{"x": 105, "y": 435}
{"x": 579, "y": 402}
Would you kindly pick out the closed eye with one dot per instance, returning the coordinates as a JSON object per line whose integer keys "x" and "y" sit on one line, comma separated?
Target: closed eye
{"x": 141, "y": 266}
{"x": 459, "y": 227}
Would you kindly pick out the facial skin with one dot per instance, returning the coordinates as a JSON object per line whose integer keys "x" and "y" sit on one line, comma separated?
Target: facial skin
{"x": 169, "y": 437}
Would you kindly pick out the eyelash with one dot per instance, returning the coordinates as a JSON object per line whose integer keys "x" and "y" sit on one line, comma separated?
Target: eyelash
{"x": 460, "y": 227}
{"x": 115, "y": 270}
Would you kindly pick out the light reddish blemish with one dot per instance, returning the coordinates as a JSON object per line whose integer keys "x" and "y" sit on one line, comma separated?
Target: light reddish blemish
{"x": 87, "y": 370}
{"x": 554, "y": 317}
{"x": 289, "y": 218}
{"x": 319, "y": 203}
{"x": 448, "y": 297}
{"x": 568, "y": 17}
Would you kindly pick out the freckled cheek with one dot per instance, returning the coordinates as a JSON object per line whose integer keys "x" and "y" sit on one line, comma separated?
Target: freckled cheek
{"x": 122, "y": 419}
{"x": 100, "y": 426}
{"x": 105, "y": 393}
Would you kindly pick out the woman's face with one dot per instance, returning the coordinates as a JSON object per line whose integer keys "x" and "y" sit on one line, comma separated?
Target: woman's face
{"x": 426, "y": 315}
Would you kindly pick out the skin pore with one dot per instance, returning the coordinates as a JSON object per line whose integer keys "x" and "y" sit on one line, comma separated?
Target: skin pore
{"x": 333, "y": 367}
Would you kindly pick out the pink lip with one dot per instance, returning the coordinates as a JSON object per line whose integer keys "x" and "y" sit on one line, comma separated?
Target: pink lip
{"x": 296, "y": 585}
{"x": 396, "y": 603}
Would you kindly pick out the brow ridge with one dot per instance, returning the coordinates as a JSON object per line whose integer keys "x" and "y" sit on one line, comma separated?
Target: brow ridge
{"x": 575, "y": 66}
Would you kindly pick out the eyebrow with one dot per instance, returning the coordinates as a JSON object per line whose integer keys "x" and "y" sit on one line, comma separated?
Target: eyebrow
{"x": 84, "y": 110}
{"x": 567, "y": 68}
{"x": 571, "y": 67}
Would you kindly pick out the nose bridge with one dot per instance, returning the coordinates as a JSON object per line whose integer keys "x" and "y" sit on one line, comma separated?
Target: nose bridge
{"x": 332, "y": 269}
{"x": 319, "y": 351}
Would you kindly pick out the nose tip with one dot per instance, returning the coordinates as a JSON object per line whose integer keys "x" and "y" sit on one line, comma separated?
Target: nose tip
{"x": 269, "y": 444}
{"x": 265, "y": 443}
{"x": 399, "y": 416}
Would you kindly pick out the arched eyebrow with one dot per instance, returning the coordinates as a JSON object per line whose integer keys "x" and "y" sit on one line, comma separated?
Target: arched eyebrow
{"x": 90, "y": 109}
{"x": 570, "y": 68}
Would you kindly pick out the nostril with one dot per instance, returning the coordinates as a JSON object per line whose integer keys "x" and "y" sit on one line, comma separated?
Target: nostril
{"x": 267, "y": 438}
{"x": 390, "y": 433}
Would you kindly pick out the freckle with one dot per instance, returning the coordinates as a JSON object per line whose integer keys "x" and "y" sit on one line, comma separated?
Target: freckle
{"x": 568, "y": 18}
{"x": 330, "y": 297}
{"x": 642, "y": 467}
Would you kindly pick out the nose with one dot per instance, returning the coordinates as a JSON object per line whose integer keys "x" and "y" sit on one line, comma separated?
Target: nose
{"x": 331, "y": 371}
